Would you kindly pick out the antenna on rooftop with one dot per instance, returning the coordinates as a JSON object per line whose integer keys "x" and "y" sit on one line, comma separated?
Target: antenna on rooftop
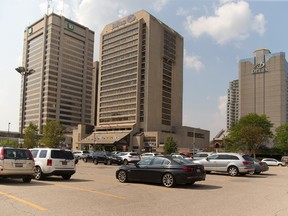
{"x": 48, "y": 5}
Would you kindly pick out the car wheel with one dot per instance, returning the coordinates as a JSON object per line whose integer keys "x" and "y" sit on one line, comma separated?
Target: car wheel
{"x": 168, "y": 180}
{"x": 257, "y": 173}
{"x": 95, "y": 161}
{"x": 122, "y": 176}
{"x": 38, "y": 173}
{"x": 125, "y": 162}
{"x": 233, "y": 171}
{"x": 85, "y": 160}
{"x": 66, "y": 177}
{"x": 27, "y": 179}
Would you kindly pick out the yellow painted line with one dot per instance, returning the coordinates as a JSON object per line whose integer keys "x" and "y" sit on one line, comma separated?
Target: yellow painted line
{"x": 91, "y": 191}
{"x": 23, "y": 201}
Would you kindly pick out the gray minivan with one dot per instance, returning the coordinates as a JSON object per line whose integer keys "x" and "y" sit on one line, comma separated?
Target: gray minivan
{"x": 16, "y": 163}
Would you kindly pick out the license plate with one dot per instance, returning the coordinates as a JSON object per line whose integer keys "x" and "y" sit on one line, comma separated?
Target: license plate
{"x": 18, "y": 165}
{"x": 64, "y": 162}
{"x": 198, "y": 170}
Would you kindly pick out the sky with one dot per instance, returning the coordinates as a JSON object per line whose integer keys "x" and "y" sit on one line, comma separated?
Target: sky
{"x": 217, "y": 35}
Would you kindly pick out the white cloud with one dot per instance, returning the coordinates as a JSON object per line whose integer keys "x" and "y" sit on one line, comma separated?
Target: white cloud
{"x": 181, "y": 12}
{"x": 159, "y": 4}
{"x": 232, "y": 21}
{"x": 193, "y": 62}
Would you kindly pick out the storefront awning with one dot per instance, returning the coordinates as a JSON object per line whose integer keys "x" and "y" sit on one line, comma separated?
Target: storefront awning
{"x": 104, "y": 138}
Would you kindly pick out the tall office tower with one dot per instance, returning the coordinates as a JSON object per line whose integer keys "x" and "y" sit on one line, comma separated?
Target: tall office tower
{"x": 140, "y": 79}
{"x": 232, "y": 103}
{"x": 60, "y": 52}
{"x": 263, "y": 86}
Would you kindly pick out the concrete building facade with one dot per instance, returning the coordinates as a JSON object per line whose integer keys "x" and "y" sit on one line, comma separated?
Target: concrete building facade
{"x": 60, "y": 52}
{"x": 263, "y": 86}
{"x": 140, "y": 87}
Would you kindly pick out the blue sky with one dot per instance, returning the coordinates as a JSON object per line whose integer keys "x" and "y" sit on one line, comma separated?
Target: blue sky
{"x": 217, "y": 34}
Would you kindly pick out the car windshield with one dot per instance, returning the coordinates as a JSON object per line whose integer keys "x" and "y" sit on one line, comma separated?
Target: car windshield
{"x": 181, "y": 160}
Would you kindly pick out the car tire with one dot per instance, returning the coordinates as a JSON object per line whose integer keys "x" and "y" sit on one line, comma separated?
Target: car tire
{"x": 38, "y": 175}
{"x": 257, "y": 173}
{"x": 122, "y": 176}
{"x": 66, "y": 177}
{"x": 125, "y": 162}
{"x": 95, "y": 161}
{"x": 233, "y": 171}
{"x": 85, "y": 160}
{"x": 27, "y": 179}
{"x": 168, "y": 180}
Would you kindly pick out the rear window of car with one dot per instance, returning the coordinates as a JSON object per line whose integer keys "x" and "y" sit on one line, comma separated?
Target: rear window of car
{"x": 19, "y": 154}
{"x": 181, "y": 160}
{"x": 61, "y": 154}
{"x": 134, "y": 154}
{"x": 248, "y": 158}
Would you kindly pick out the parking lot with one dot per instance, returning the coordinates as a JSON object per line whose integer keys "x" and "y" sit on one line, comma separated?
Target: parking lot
{"x": 94, "y": 190}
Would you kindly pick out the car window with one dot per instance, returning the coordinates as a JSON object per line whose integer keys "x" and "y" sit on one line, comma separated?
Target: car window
{"x": 43, "y": 154}
{"x": 145, "y": 161}
{"x": 134, "y": 154}
{"x": 61, "y": 154}
{"x": 247, "y": 158}
{"x": 180, "y": 160}
{"x": 22, "y": 154}
{"x": 158, "y": 161}
{"x": 34, "y": 152}
{"x": 213, "y": 157}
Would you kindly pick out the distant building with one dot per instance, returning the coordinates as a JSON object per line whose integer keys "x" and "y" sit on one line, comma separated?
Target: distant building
{"x": 140, "y": 93}
{"x": 232, "y": 103}
{"x": 60, "y": 51}
{"x": 263, "y": 86}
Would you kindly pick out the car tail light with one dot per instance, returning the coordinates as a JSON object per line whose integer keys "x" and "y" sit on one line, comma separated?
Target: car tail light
{"x": 262, "y": 163}
{"x": 31, "y": 156}
{"x": 2, "y": 154}
{"x": 187, "y": 169}
{"x": 49, "y": 162}
{"x": 246, "y": 162}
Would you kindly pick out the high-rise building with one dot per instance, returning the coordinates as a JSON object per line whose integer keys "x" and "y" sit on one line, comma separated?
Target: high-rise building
{"x": 232, "y": 103}
{"x": 60, "y": 52}
{"x": 263, "y": 86}
{"x": 140, "y": 91}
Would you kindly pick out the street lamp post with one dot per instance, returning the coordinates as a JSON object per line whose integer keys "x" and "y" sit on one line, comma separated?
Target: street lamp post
{"x": 24, "y": 73}
{"x": 8, "y": 132}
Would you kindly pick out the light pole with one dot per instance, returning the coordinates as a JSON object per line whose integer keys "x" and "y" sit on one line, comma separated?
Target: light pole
{"x": 8, "y": 132}
{"x": 24, "y": 72}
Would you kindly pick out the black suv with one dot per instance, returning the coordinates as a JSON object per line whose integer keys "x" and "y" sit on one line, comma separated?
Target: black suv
{"x": 103, "y": 157}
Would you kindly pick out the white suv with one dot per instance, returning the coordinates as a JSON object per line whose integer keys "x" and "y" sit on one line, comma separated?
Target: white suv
{"x": 129, "y": 157}
{"x": 16, "y": 163}
{"x": 50, "y": 161}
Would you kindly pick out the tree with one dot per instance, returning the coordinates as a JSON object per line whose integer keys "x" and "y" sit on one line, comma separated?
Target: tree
{"x": 52, "y": 134}
{"x": 170, "y": 145}
{"x": 249, "y": 133}
{"x": 30, "y": 136}
{"x": 281, "y": 138}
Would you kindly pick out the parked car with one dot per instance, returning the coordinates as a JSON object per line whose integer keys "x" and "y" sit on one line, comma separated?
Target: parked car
{"x": 16, "y": 163}
{"x": 201, "y": 155}
{"x": 129, "y": 157}
{"x": 103, "y": 157}
{"x": 150, "y": 154}
{"x": 273, "y": 162}
{"x": 80, "y": 153}
{"x": 284, "y": 159}
{"x": 231, "y": 163}
{"x": 167, "y": 170}
{"x": 181, "y": 156}
{"x": 260, "y": 166}
{"x": 52, "y": 161}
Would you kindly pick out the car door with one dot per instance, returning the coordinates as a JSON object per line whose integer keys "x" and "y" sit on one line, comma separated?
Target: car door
{"x": 210, "y": 163}
{"x": 140, "y": 170}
